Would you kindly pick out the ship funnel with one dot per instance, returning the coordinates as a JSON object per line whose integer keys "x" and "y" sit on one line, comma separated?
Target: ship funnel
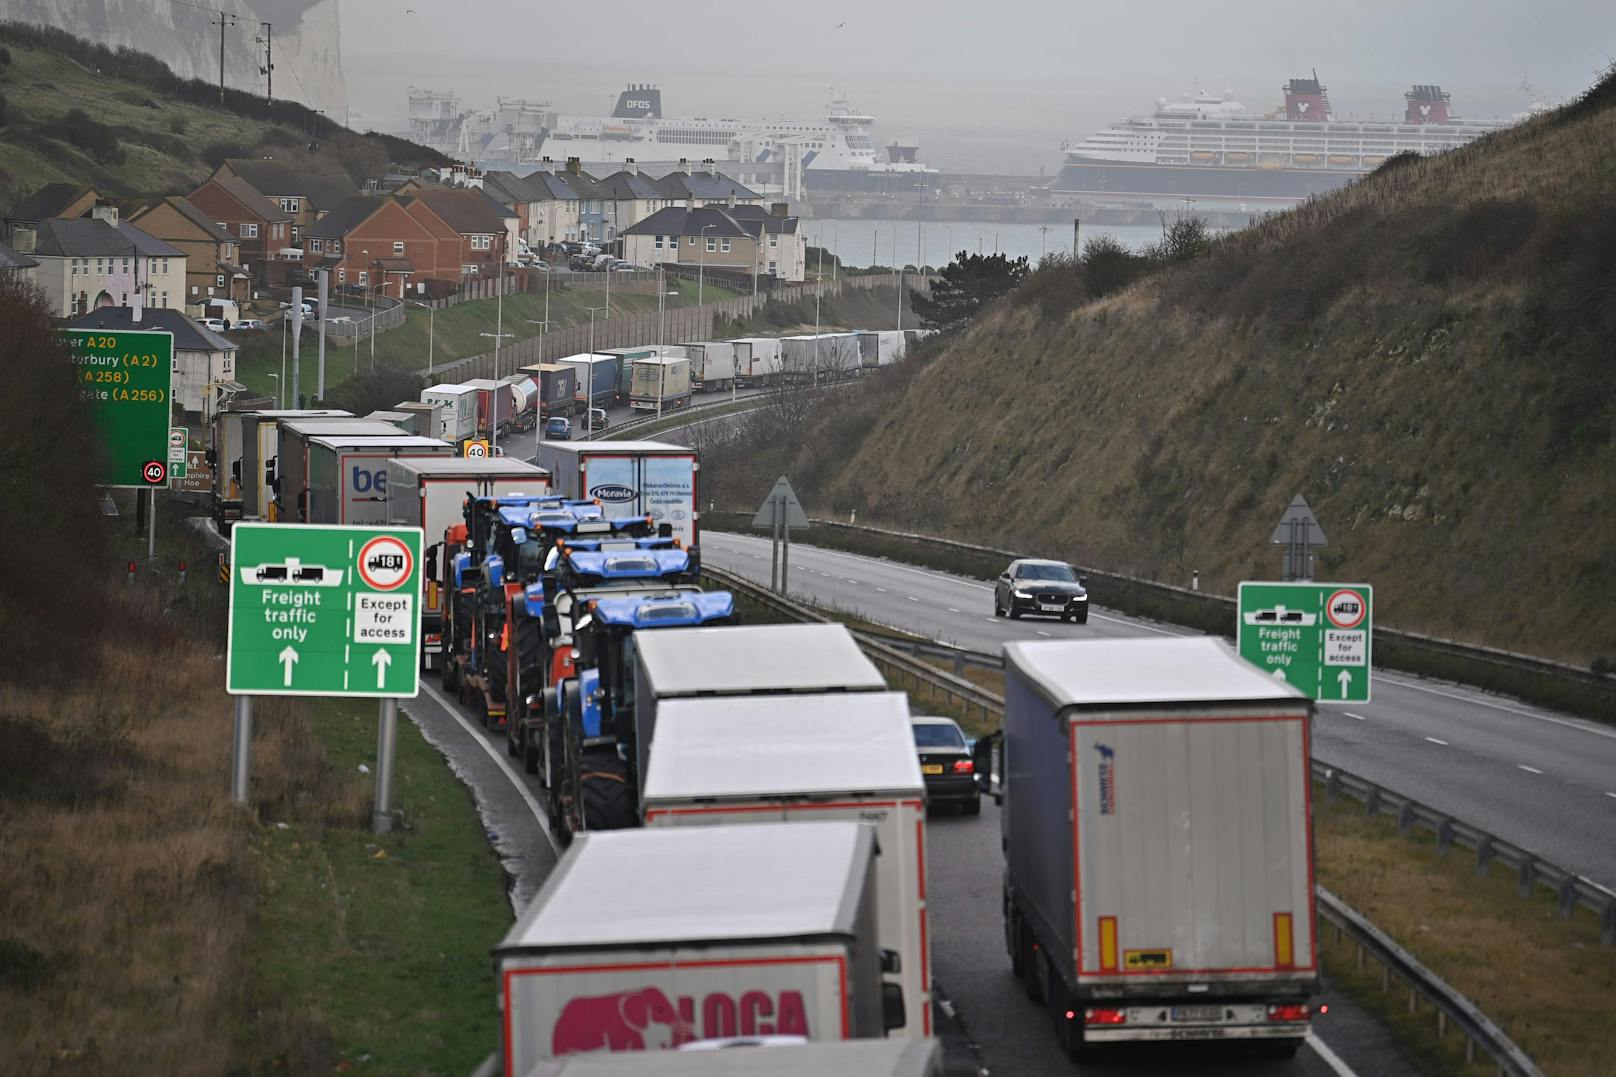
{"x": 639, "y": 103}
{"x": 1426, "y": 104}
{"x": 1306, "y": 100}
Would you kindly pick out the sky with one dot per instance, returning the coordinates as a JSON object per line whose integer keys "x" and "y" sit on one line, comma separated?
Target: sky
{"x": 986, "y": 87}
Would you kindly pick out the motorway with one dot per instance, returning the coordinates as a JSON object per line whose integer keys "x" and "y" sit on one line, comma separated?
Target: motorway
{"x": 1543, "y": 780}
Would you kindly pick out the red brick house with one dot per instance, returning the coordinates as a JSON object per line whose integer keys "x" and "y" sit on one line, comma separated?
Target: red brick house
{"x": 261, "y": 227}
{"x": 374, "y": 243}
{"x": 476, "y": 223}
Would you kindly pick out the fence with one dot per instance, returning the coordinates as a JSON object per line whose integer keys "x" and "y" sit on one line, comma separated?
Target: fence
{"x": 389, "y": 314}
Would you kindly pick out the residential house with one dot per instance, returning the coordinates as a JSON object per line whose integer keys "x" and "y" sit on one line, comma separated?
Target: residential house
{"x": 706, "y": 187}
{"x": 213, "y": 267}
{"x": 546, "y": 206}
{"x": 739, "y": 239}
{"x": 15, "y": 264}
{"x": 204, "y": 361}
{"x": 53, "y": 200}
{"x": 618, "y": 201}
{"x": 307, "y": 196}
{"x": 261, "y": 227}
{"x": 100, "y": 261}
{"x": 476, "y": 222}
{"x": 378, "y": 244}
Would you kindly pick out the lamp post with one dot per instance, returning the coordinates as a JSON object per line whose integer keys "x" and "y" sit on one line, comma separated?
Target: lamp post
{"x": 493, "y": 418}
{"x": 701, "y": 260}
{"x": 589, "y": 393}
{"x": 431, "y": 326}
{"x": 279, "y": 400}
{"x": 835, "y": 259}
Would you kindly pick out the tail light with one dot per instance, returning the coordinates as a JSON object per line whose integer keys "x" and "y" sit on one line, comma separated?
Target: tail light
{"x": 964, "y": 766}
{"x": 1105, "y": 1016}
{"x": 1289, "y": 1011}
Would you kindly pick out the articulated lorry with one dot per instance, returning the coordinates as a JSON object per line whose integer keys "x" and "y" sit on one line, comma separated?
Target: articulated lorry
{"x": 849, "y": 1058}
{"x": 1158, "y": 843}
{"x": 712, "y": 365}
{"x": 625, "y": 373}
{"x": 648, "y": 940}
{"x": 558, "y": 388}
{"x": 347, "y": 476}
{"x": 719, "y": 761}
{"x": 597, "y": 374}
{"x": 244, "y": 444}
{"x": 496, "y": 406}
{"x": 629, "y": 478}
{"x": 660, "y": 383}
{"x": 826, "y": 357}
{"x": 290, "y": 482}
{"x": 757, "y": 360}
{"x": 457, "y": 410}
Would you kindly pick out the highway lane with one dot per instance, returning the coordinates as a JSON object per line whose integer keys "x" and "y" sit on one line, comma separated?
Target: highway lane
{"x": 1543, "y": 780}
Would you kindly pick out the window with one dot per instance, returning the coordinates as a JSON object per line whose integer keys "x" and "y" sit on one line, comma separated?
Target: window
{"x": 342, "y": 275}
{"x": 658, "y": 243}
{"x": 468, "y": 271}
{"x": 724, "y": 245}
{"x": 398, "y": 246}
{"x": 278, "y": 232}
{"x": 772, "y": 269}
{"x": 164, "y": 302}
{"x": 165, "y": 266}
{"x": 249, "y": 231}
{"x": 100, "y": 267}
{"x": 314, "y": 245}
{"x": 336, "y": 246}
{"x": 126, "y": 265}
{"x": 481, "y": 243}
{"x": 690, "y": 241}
{"x": 289, "y": 205}
{"x": 774, "y": 241}
{"x": 712, "y": 244}
{"x": 124, "y": 300}
{"x": 364, "y": 277}
{"x": 220, "y": 280}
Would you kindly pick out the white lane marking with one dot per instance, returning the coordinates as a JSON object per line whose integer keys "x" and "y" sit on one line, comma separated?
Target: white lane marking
{"x": 951, "y": 609}
{"x": 1139, "y": 624}
{"x": 1611, "y": 795}
{"x": 504, "y": 764}
{"x": 851, "y": 580}
{"x": 1529, "y": 770}
{"x": 1041, "y": 632}
{"x": 1484, "y": 702}
{"x": 1349, "y": 714}
{"x": 1329, "y": 1057}
{"x": 883, "y": 590}
{"x": 991, "y": 620}
{"x": 1433, "y": 740}
{"x": 911, "y": 598}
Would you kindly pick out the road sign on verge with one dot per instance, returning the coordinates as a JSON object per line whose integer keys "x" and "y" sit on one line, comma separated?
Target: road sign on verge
{"x": 476, "y": 449}
{"x": 782, "y": 494}
{"x": 324, "y": 611}
{"x": 1316, "y": 636}
{"x": 126, "y": 376}
{"x": 177, "y": 459}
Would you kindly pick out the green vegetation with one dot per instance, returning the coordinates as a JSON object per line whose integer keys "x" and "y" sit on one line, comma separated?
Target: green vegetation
{"x": 969, "y": 283}
{"x": 849, "y": 308}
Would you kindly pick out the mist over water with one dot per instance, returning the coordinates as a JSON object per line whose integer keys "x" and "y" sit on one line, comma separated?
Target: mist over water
{"x": 936, "y": 243}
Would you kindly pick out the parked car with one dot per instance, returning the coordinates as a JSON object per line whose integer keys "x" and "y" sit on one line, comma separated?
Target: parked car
{"x": 1046, "y": 587}
{"x": 557, "y": 428}
{"x": 946, "y": 764}
{"x": 215, "y": 324}
{"x": 250, "y": 323}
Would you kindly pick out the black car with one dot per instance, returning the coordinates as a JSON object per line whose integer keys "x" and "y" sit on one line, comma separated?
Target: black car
{"x": 1047, "y": 587}
{"x": 945, "y": 763}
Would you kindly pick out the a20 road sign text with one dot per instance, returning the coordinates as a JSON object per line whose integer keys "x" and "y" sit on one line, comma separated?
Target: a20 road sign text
{"x": 324, "y": 611}
{"x": 126, "y": 377}
{"x": 1316, "y": 636}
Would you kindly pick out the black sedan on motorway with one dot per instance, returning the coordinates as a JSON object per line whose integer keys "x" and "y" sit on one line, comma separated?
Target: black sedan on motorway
{"x": 1047, "y": 587}
{"x": 945, "y": 763}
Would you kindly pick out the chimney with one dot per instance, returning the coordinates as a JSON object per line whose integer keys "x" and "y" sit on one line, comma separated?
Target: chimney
{"x": 684, "y": 165}
{"x": 574, "y": 165}
{"x": 778, "y": 209}
{"x": 24, "y": 238}
{"x": 630, "y": 167}
{"x": 732, "y": 200}
{"x": 105, "y": 211}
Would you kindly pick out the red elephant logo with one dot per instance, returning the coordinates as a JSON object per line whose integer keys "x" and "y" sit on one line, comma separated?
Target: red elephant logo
{"x": 616, "y": 1022}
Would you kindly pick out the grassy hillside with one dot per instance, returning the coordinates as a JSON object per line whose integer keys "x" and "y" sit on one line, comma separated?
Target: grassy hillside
{"x": 1428, "y": 355}
{"x": 123, "y": 123}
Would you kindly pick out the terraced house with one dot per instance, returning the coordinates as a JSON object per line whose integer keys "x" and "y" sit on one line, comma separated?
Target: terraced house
{"x": 261, "y": 228}
{"x": 100, "y": 261}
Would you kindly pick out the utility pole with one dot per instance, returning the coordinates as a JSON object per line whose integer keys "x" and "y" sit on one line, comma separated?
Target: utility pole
{"x": 225, "y": 19}
{"x": 1075, "y": 224}
{"x": 268, "y": 70}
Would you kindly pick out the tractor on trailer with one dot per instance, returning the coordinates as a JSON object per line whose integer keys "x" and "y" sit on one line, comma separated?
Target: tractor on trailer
{"x": 1158, "y": 843}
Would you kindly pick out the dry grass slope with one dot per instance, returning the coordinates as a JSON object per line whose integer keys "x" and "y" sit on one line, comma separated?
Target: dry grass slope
{"x": 1427, "y": 355}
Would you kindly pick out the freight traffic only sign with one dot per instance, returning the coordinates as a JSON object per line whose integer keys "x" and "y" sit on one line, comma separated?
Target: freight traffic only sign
{"x": 324, "y": 611}
{"x": 1316, "y": 636}
{"x": 126, "y": 378}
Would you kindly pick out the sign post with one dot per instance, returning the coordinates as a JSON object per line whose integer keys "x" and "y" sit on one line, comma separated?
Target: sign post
{"x": 779, "y": 513}
{"x": 1299, "y": 531}
{"x": 326, "y": 611}
{"x": 1318, "y": 637}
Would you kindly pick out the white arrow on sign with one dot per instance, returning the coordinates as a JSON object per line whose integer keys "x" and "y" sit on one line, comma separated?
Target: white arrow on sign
{"x": 381, "y": 659}
{"x": 288, "y": 659}
{"x": 1344, "y": 679}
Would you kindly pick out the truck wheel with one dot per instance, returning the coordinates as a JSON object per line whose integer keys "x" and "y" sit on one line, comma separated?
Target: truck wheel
{"x": 1037, "y": 967}
{"x": 1068, "y": 1030}
{"x": 1012, "y": 937}
{"x": 450, "y": 676}
{"x": 530, "y": 755}
{"x": 608, "y": 794}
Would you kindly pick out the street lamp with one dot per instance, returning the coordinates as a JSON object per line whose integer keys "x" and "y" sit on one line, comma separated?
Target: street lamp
{"x": 431, "y": 323}
{"x": 279, "y": 400}
{"x": 836, "y": 259}
{"x": 493, "y": 418}
{"x": 701, "y": 260}
{"x": 589, "y": 393}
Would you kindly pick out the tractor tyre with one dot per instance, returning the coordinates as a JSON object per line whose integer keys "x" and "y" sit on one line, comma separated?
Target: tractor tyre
{"x": 608, "y": 789}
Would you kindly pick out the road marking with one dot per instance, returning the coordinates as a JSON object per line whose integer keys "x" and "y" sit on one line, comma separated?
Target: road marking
{"x": 1329, "y": 1057}
{"x": 1433, "y": 740}
{"x": 504, "y": 765}
{"x": 991, "y": 620}
{"x": 1529, "y": 770}
{"x": 1479, "y": 699}
{"x": 951, "y": 609}
{"x": 1138, "y": 624}
{"x": 1041, "y": 632}
{"x": 911, "y": 598}
{"x": 1611, "y": 795}
{"x": 1349, "y": 714}
{"x": 883, "y": 590}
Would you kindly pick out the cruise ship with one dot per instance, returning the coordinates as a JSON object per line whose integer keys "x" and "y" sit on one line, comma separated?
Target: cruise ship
{"x": 1211, "y": 148}
{"x": 835, "y": 154}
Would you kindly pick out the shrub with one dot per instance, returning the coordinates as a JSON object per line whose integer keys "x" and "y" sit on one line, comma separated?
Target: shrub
{"x": 1109, "y": 266}
{"x": 1478, "y": 239}
{"x": 1183, "y": 240}
{"x": 96, "y": 139}
{"x": 176, "y": 124}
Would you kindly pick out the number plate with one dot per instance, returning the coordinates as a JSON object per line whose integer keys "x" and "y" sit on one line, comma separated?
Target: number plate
{"x": 931, "y": 768}
{"x": 1197, "y": 1013}
{"x": 1052, "y": 607}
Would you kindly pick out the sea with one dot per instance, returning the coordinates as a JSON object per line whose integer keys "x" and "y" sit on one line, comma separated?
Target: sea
{"x": 868, "y": 241}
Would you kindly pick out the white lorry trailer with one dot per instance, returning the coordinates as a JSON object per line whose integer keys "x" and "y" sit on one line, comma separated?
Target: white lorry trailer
{"x": 248, "y": 454}
{"x": 457, "y": 410}
{"x": 347, "y": 477}
{"x": 712, "y": 365}
{"x": 660, "y": 383}
{"x": 849, "y": 1058}
{"x": 291, "y": 480}
{"x": 809, "y": 758}
{"x": 1159, "y": 846}
{"x": 649, "y": 939}
{"x": 629, "y": 478}
{"x": 826, "y": 357}
{"x": 757, "y": 360}
{"x": 429, "y": 493}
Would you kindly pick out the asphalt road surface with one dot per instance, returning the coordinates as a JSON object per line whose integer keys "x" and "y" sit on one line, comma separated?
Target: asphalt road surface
{"x": 1543, "y": 780}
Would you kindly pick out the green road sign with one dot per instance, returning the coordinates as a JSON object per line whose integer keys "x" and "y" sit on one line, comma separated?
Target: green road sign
{"x": 177, "y": 459}
{"x": 1316, "y": 636}
{"x": 324, "y": 611}
{"x": 127, "y": 378}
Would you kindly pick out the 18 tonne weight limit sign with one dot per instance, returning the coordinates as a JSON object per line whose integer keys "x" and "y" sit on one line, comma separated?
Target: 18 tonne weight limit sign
{"x": 324, "y": 611}
{"x": 1315, "y": 636}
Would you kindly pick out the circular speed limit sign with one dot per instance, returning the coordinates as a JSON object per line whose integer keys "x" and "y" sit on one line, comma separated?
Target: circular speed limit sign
{"x": 154, "y": 472}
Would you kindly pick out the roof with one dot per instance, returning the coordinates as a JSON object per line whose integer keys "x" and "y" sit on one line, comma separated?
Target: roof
{"x": 712, "y": 221}
{"x": 747, "y": 215}
{"x": 844, "y": 1058}
{"x": 397, "y": 440}
{"x": 633, "y": 448}
{"x": 581, "y": 184}
{"x": 188, "y": 335}
{"x": 657, "y": 887}
{"x": 344, "y": 217}
{"x": 81, "y": 237}
{"x": 47, "y": 202}
{"x": 468, "y": 212}
{"x": 395, "y": 265}
{"x": 1100, "y": 674}
{"x": 503, "y": 186}
{"x": 455, "y": 467}
{"x": 707, "y": 184}
{"x": 250, "y": 198}
{"x": 147, "y": 244}
{"x": 185, "y": 208}
{"x": 11, "y": 258}
{"x": 756, "y": 659}
{"x": 824, "y": 744}
{"x": 326, "y": 426}
{"x": 624, "y": 185}
{"x": 548, "y": 186}
{"x": 274, "y": 179}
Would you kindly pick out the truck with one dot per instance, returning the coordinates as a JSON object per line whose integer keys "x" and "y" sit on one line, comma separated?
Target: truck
{"x": 524, "y": 390}
{"x": 712, "y": 365}
{"x": 429, "y": 493}
{"x": 809, "y": 757}
{"x": 426, "y": 418}
{"x": 625, "y": 375}
{"x": 753, "y": 660}
{"x": 757, "y": 360}
{"x": 892, "y": 345}
{"x": 495, "y": 405}
{"x": 630, "y": 478}
{"x": 848, "y": 1058}
{"x": 1158, "y": 843}
{"x": 558, "y": 388}
{"x": 457, "y": 410}
{"x": 403, "y": 420}
{"x": 292, "y": 457}
{"x": 347, "y": 477}
{"x": 245, "y": 445}
{"x": 597, "y": 378}
{"x": 826, "y": 357}
{"x": 660, "y": 383}
{"x": 648, "y": 940}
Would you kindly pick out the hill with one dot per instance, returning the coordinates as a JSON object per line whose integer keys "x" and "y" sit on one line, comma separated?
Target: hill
{"x": 122, "y": 122}
{"x": 1427, "y": 355}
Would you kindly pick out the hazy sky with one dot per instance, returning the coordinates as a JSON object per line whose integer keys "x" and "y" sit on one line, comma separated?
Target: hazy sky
{"x": 985, "y": 86}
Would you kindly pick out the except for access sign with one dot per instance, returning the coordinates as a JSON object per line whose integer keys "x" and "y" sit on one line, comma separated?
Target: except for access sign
{"x": 126, "y": 377}
{"x": 324, "y": 611}
{"x": 1316, "y": 636}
